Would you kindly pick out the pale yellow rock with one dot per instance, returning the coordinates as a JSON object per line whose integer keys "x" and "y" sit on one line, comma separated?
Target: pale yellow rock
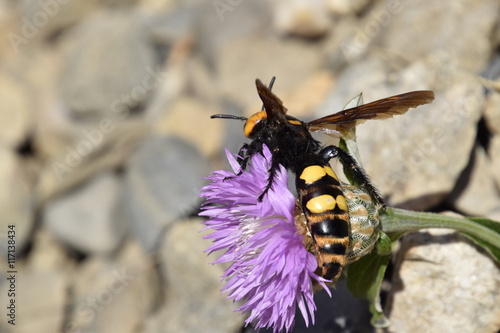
{"x": 308, "y": 95}
{"x": 189, "y": 119}
{"x": 16, "y": 114}
{"x": 480, "y": 197}
{"x": 444, "y": 284}
{"x": 114, "y": 294}
{"x": 194, "y": 298}
{"x": 492, "y": 112}
{"x": 301, "y": 17}
{"x": 344, "y": 7}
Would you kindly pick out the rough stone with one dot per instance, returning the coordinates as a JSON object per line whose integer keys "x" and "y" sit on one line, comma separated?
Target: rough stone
{"x": 114, "y": 294}
{"x": 157, "y": 6}
{"x": 433, "y": 24}
{"x": 105, "y": 72}
{"x": 492, "y": 112}
{"x": 309, "y": 94}
{"x": 344, "y": 7}
{"x": 85, "y": 218}
{"x": 189, "y": 119}
{"x": 17, "y": 203}
{"x": 49, "y": 254}
{"x": 221, "y": 22}
{"x": 75, "y": 152}
{"x": 194, "y": 301}
{"x": 254, "y": 52}
{"x": 15, "y": 113}
{"x": 494, "y": 154}
{"x": 52, "y": 17}
{"x": 40, "y": 299}
{"x": 301, "y": 17}
{"x": 161, "y": 184}
{"x": 480, "y": 197}
{"x": 433, "y": 293}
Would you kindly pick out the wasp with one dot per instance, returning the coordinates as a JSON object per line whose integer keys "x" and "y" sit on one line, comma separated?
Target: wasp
{"x": 319, "y": 190}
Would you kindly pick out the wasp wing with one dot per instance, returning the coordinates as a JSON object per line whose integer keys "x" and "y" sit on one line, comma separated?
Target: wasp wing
{"x": 272, "y": 104}
{"x": 342, "y": 121}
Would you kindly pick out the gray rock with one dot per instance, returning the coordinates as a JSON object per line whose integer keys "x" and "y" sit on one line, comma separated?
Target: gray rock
{"x": 432, "y": 292}
{"x": 114, "y": 294}
{"x": 45, "y": 19}
{"x": 253, "y": 51}
{"x": 480, "y": 195}
{"x": 74, "y": 153}
{"x": 17, "y": 203}
{"x": 178, "y": 121}
{"x": 221, "y": 22}
{"x": 169, "y": 26}
{"x": 233, "y": 137}
{"x": 161, "y": 184}
{"x": 85, "y": 218}
{"x": 379, "y": 30}
{"x": 112, "y": 66}
{"x": 433, "y": 24}
{"x": 194, "y": 302}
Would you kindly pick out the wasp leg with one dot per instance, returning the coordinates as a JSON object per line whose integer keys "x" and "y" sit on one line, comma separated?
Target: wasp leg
{"x": 243, "y": 157}
{"x": 352, "y": 168}
{"x": 245, "y": 153}
{"x": 272, "y": 172}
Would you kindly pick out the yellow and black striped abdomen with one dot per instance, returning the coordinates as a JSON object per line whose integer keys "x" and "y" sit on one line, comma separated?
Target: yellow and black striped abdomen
{"x": 325, "y": 208}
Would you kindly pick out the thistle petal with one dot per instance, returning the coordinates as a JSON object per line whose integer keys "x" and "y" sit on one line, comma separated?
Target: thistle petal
{"x": 270, "y": 269}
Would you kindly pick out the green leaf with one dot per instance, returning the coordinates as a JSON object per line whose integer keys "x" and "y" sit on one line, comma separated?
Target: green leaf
{"x": 364, "y": 279}
{"x": 484, "y": 232}
{"x": 492, "y": 249}
{"x": 384, "y": 244}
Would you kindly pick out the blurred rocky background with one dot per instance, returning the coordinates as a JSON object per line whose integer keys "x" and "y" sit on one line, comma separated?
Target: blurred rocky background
{"x": 106, "y": 137}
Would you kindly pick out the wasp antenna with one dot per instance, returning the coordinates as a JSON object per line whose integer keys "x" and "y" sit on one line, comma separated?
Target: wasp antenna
{"x": 227, "y": 116}
{"x": 270, "y": 87}
{"x": 271, "y": 84}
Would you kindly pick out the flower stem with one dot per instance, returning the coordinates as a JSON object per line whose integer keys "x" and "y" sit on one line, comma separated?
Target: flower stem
{"x": 398, "y": 221}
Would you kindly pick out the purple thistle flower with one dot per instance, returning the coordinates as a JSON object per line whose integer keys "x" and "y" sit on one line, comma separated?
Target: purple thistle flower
{"x": 270, "y": 269}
